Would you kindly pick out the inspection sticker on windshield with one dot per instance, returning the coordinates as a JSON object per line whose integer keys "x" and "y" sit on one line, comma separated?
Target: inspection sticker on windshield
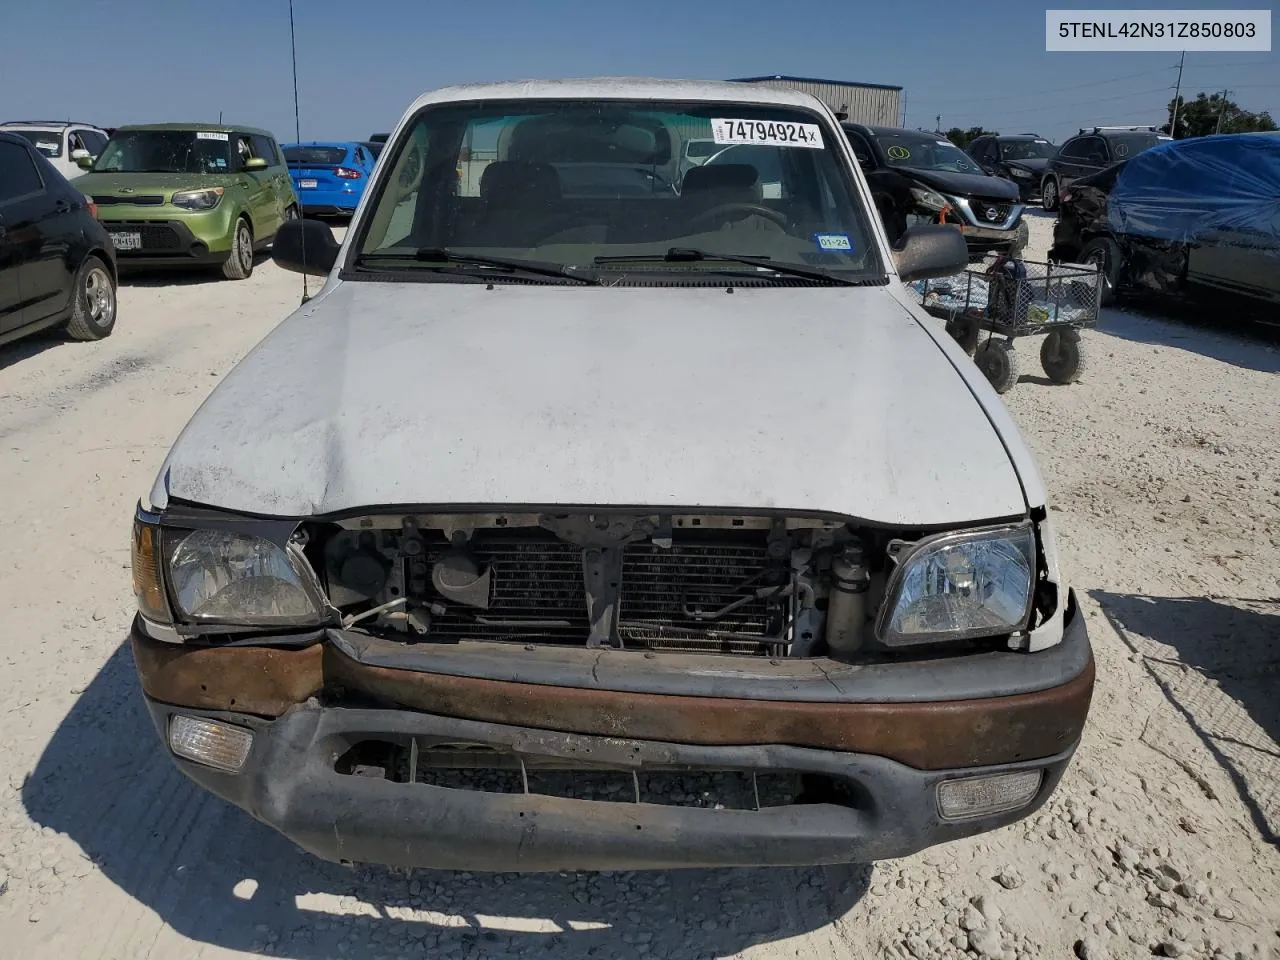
{"x": 202, "y": 135}
{"x": 770, "y": 132}
{"x": 834, "y": 241}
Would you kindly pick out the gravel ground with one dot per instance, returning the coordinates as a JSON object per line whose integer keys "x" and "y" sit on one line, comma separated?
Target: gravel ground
{"x": 1162, "y": 839}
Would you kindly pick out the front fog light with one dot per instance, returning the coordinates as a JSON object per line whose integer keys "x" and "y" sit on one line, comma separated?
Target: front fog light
{"x": 214, "y": 744}
{"x": 983, "y": 796}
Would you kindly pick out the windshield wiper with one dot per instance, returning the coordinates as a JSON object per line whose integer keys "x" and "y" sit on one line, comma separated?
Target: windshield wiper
{"x": 694, "y": 255}
{"x": 443, "y": 255}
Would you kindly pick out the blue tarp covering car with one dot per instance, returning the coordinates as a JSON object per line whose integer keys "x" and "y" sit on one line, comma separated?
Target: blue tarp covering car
{"x": 1188, "y": 189}
{"x": 1196, "y": 214}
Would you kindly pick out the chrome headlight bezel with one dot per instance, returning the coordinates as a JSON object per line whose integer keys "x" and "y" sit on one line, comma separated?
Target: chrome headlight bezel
{"x": 290, "y": 554}
{"x": 1017, "y": 534}
{"x": 1021, "y": 173}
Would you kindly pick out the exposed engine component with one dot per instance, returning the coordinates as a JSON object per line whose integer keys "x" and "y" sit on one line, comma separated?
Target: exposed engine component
{"x": 457, "y": 577}
{"x": 847, "y": 607}
{"x": 740, "y": 585}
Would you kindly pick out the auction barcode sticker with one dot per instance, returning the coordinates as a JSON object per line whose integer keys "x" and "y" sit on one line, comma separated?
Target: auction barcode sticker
{"x": 205, "y": 135}
{"x": 769, "y": 132}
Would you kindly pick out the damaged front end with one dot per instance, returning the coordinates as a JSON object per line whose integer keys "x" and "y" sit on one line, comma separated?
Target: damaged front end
{"x": 513, "y": 666}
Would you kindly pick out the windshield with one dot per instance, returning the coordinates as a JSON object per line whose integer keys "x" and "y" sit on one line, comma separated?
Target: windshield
{"x": 48, "y": 142}
{"x": 1128, "y": 144}
{"x": 314, "y": 156}
{"x": 1026, "y": 149}
{"x": 924, "y": 151}
{"x": 165, "y": 151}
{"x": 595, "y": 185}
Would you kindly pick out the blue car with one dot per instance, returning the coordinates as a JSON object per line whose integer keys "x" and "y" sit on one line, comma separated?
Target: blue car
{"x": 329, "y": 178}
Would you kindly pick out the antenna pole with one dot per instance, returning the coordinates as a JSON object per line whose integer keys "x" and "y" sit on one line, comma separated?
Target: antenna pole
{"x": 1222, "y": 110}
{"x": 297, "y": 133}
{"x": 1177, "y": 89}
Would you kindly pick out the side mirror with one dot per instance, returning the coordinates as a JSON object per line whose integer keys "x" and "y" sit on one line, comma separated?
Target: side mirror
{"x": 79, "y": 154}
{"x": 255, "y": 163}
{"x": 305, "y": 246}
{"x": 930, "y": 250}
{"x": 866, "y": 165}
{"x": 84, "y": 161}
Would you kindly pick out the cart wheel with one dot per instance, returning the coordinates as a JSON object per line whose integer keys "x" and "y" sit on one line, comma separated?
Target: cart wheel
{"x": 1063, "y": 356}
{"x": 965, "y": 331}
{"x": 998, "y": 363}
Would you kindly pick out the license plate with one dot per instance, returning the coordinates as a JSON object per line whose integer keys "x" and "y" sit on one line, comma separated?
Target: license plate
{"x": 307, "y": 184}
{"x": 127, "y": 241}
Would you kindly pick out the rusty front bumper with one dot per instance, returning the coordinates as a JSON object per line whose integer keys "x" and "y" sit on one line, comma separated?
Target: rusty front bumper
{"x": 308, "y": 705}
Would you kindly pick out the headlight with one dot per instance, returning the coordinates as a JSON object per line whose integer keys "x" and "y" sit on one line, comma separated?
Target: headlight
{"x": 205, "y": 199}
{"x": 929, "y": 199}
{"x": 1019, "y": 172}
{"x": 959, "y": 585}
{"x": 236, "y": 579}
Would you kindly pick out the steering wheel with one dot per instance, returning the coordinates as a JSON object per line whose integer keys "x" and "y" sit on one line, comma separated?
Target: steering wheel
{"x": 721, "y": 209}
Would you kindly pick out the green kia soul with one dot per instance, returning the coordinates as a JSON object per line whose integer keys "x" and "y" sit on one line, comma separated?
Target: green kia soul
{"x": 178, "y": 194}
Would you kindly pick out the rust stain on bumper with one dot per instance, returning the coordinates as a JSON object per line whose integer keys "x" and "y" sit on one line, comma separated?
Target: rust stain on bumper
{"x": 261, "y": 680}
{"x": 931, "y": 735}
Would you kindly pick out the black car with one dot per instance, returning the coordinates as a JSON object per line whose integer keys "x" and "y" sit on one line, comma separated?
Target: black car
{"x": 915, "y": 175}
{"x": 57, "y": 265}
{"x": 1020, "y": 158}
{"x": 1170, "y": 221}
{"x": 373, "y": 146}
{"x": 1091, "y": 151}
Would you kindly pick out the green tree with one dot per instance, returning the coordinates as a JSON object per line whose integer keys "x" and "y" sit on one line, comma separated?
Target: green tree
{"x": 962, "y": 138}
{"x": 1213, "y": 113}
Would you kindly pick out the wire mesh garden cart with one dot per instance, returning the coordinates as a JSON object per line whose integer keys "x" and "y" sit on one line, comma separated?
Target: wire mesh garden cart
{"x": 1008, "y": 299}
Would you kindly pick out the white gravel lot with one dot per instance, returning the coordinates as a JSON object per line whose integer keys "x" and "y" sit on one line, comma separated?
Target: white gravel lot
{"x": 1162, "y": 839}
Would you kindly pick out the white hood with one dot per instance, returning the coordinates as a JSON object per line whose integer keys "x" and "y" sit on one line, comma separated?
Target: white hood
{"x": 805, "y": 399}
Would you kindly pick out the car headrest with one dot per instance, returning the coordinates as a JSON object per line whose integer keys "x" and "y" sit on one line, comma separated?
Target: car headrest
{"x": 514, "y": 183}
{"x": 723, "y": 183}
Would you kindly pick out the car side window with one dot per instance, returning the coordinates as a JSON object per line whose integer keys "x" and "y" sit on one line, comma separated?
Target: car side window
{"x": 93, "y": 141}
{"x": 1070, "y": 150}
{"x": 1095, "y": 150}
{"x": 18, "y": 174}
{"x": 982, "y": 151}
{"x": 262, "y": 148}
{"x": 861, "y": 149}
{"x": 75, "y": 142}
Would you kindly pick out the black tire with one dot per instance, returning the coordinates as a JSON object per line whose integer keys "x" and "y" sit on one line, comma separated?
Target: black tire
{"x": 1063, "y": 356}
{"x": 93, "y": 307}
{"x": 998, "y": 363}
{"x": 239, "y": 265}
{"x": 1103, "y": 252}
{"x": 1049, "y": 193}
{"x": 966, "y": 331}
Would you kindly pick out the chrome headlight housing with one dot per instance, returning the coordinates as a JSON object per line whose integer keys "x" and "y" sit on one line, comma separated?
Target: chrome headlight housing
{"x": 220, "y": 577}
{"x": 930, "y": 199}
{"x": 953, "y": 586}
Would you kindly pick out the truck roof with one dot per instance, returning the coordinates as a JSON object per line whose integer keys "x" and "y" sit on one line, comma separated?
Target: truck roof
{"x": 621, "y": 88}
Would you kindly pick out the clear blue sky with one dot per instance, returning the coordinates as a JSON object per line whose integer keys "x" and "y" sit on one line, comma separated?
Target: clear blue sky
{"x": 361, "y": 62}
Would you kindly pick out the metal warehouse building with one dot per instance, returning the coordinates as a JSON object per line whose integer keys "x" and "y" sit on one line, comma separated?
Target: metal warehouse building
{"x": 873, "y": 103}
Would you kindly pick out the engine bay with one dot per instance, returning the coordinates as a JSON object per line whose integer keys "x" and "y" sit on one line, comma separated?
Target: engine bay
{"x": 744, "y": 585}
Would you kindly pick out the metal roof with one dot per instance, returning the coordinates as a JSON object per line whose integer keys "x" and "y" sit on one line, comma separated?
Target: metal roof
{"x": 838, "y": 83}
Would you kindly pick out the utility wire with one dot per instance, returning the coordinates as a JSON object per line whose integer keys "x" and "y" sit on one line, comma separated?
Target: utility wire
{"x": 1054, "y": 90}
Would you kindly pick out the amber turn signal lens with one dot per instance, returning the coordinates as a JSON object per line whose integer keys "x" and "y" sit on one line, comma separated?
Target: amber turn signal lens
{"x": 148, "y": 586}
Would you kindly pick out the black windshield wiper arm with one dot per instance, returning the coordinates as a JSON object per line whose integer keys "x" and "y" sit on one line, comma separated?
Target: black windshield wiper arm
{"x": 694, "y": 255}
{"x": 508, "y": 264}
